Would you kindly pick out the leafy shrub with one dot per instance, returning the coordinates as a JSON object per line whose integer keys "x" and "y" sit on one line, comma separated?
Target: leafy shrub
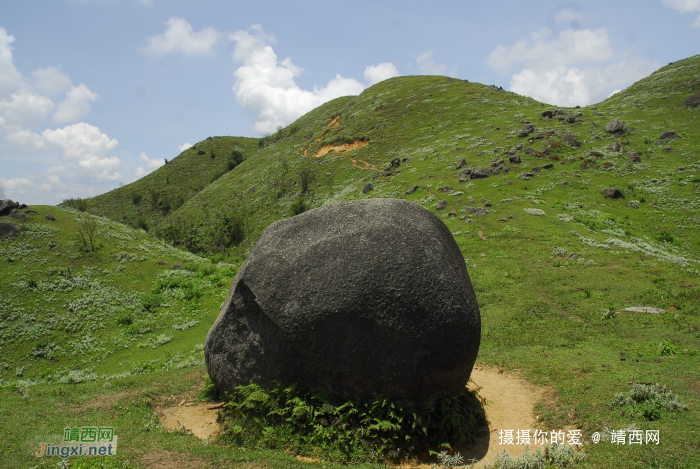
{"x": 649, "y": 401}
{"x": 347, "y": 429}
{"x": 44, "y": 349}
{"x": 217, "y": 175}
{"x": 141, "y": 223}
{"x": 234, "y": 159}
{"x": 151, "y": 301}
{"x": 667, "y": 349}
{"x": 136, "y": 198}
{"x": 534, "y": 211}
{"x": 78, "y": 204}
{"x": 124, "y": 320}
{"x": 665, "y": 236}
{"x": 693, "y": 100}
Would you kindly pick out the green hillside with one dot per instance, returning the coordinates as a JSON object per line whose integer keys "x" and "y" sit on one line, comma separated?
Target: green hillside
{"x": 553, "y": 260}
{"x": 145, "y": 202}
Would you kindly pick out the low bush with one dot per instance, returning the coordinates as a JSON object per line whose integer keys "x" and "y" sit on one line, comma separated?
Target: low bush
{"x": 649, "y": 401}
{"x": 347, "y": 429}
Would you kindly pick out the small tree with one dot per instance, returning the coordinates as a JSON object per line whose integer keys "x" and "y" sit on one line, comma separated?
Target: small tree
{"x": 307, "y": 177}
{"x": 87, "y": 232}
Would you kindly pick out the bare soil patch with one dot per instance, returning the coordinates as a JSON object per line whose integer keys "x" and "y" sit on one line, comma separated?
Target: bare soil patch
{"x": 168, "y": 460}
{"x": 198, "y": 419}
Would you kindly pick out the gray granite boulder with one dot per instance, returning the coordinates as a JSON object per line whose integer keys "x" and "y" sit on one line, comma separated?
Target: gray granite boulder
{"x": 614, "y": 126}
{"x": 362, "y": 297}
{"x": 7, "y": 228}
{"x": 7, "y": 205}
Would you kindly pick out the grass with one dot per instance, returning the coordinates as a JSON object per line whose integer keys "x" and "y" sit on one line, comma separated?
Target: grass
{"x": 552, "y": 282}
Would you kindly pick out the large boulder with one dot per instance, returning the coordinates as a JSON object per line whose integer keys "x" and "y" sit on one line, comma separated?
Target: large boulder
{"x": 363, "y": 297}
{"x": 614, "y": 126}
{"x": 7, "y": 228}
{"x": 478, "y": 173}
{"x": 7, "y": 205}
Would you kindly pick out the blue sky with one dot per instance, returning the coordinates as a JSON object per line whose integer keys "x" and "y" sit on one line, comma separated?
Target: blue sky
{"x": 94, "y": 93}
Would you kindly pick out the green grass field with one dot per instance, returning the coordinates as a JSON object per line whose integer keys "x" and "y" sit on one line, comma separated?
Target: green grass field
{"x": 89, "y": 338}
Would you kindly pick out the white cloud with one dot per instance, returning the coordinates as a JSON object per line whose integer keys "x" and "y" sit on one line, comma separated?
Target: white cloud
{"x": 46, "y": 187}
{"x": 10, "y": 78}
{"x": 25, "y": 108}
{"x": 266, "y": 87}
{"x": 542, "y": 49}
{"x": 427, "y": 65}
{"x": 84, "y": 145}
{"x": 51, "y": 81}
{"x": 180, "y": 37}
{"x": 685, "y": 6}
{"x": 26, "y": 140}
{"x": 380, "y": 72}
{"x": 56, "y": 179}
{"x": 76, "y": 104}
{"x": 576, "y": 67}
{"x": 149, "y": 165}
{"x": 184, "y": 146}
{"x": 17, "y": 185}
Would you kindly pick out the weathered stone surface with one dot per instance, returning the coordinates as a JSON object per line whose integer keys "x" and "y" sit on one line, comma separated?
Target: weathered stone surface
{"x": 612, "y": 192}
{"x": 18, "y": 216}
{"x": 412, "y": 189}
{"x": 514, "y": 158}
{"x": 549, "y": 114}
{"x": 361, "y": 297}
{"x": 395, "y": 163}
{"x": 614, "y": 126}
{"x": 526, "y": 130}
{"x": 7, "y": 228}
{"x": 478, "y": 173}
{"x": 368, "y": 187}
{"x": 462, "y": 163}
{"x": 6, "y": 206}
{"x": 669, "y": 135}
{"x": 50, "y": 217}
{"x": 441, "y": 205}
{"x": 615, "y": 146}
{"x": 634, "y": 156}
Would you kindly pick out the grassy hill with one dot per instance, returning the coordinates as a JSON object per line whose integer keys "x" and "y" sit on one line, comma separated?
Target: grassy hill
{"x": 554, "y": 262}
{"x": 145, "y": 202}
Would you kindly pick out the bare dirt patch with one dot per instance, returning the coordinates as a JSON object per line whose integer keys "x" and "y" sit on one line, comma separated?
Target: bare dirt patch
{"x": 344, "y": 148}
{"x": 168, "y": 460}
{"x": 334, "y": 123}
{"x": 199, "y": 419}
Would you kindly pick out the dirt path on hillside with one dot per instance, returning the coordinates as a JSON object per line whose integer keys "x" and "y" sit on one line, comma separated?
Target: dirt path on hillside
{"x": 511, "y": 406}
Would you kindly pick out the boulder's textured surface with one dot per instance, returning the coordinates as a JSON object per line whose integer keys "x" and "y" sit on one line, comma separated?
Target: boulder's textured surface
{"x": 368, "y": 187}
{"x": 614, "y": 126}
{"x": 7, "y": 228}
{"x": 612, "y": 192}
{"x": 669, "y": 135}
{"x": 363, "y": 297}
{"x": 7, "y": 205}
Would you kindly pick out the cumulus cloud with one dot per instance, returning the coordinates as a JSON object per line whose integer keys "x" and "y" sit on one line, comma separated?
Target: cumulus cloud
{"x": 25, "y": 108}
{"x": 427, "y": 65}
{"x": 380, "y": 72}
{"x": 84, "y": 145}
{"x": 180, "y": 37}
{"x": 51, "y": 81}
{"x": 76, "y": 104}
{"x": 265, "y": 86}
{"x": 575, "y": 67}
{"x": 26, "y": 140}
{"x": 184, "y": 146}
{"x": 148, "y": 166}
{"x": 10, "y": 78}
{"x": 685, "y": 6}
{"x": 17, "y": 185}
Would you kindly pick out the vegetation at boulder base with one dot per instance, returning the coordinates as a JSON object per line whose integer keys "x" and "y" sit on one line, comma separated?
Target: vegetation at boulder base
{"x": 109, "y": 331}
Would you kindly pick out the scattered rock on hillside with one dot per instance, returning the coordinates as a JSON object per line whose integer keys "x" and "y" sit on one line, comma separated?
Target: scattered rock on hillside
{"x": 612, "y": 192}
{"x": 634, "y": 157}
{"x": 18, "y": 216}
{"x": 615, "y": 146}
{"x": 22, "y": 206}
{"x": 614, "y": 126}
{"x": 548, "y": 166}
{"x": 441, "y": 205}
{"x": 559, "y": 112}
{"x": 368, "y": 187}
{"x": 536, "y": 169}
{"x": 412, "y": 189}
{"x": 381, "y": 315}
{"x": 693, "y": 100}
{"x": 669, "y": 135}
{"x": 570, "y": 119}
{"x": 50, "y": 217}
{"x": 681, "y": 168}
{"x": 177, "y": 266}
{"x": 478, "y": 173}
{"x": 645, "y": 309}
{"x": 514, "y": 158}
{"x": 395, "y": 163}
{"x": 526, "y": 130}
{"x": 7, "y": 228}
{"x": 462, "y": 163}
{"x": 7, "y": 205}
{"x": 547, "y": 114}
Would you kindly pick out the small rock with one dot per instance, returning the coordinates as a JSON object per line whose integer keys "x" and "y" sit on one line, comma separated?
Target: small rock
{"x": 634, "y": 156}
{"x": 18, "y": 216}
{"x": 462, "y": 163}
{"x": 478, "y": 173}
{"x": 518, "y": 146}
{"x": 681, "y": 168}
{"x": 612, "y": 192}
{"x": 614, "y": 126}
{"x": 669, "y": 135}
{"x": 570, "y": 119}
{"x": 177, "y": 266}
{"x": 514, "y": 158}
{"x": 548, "y": 166}
{"x": 412, "y": 189}
{"x": 529, "y": 175}
{"x": 570, "y": 138}
{"x": 50, "y": 217}
{"x": 645, "y": 309}
{"x": 22, "y": 207}
{"x": 615, "y": 146}
{"x": 464, "y": 178}
{"x": 368, "y": 187}
{"x": 564, "y": 183}
{"x": 7, "y": 228}
{"x": 488, "y": 204}
{"x": 510, "y": 183}
{"x": 441, "y": 205}
{"x": 395, "y": 163}
{"x": 536, "y": 169}
{"x": 547, "y": 114}
{"x": 526, "y": 130}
